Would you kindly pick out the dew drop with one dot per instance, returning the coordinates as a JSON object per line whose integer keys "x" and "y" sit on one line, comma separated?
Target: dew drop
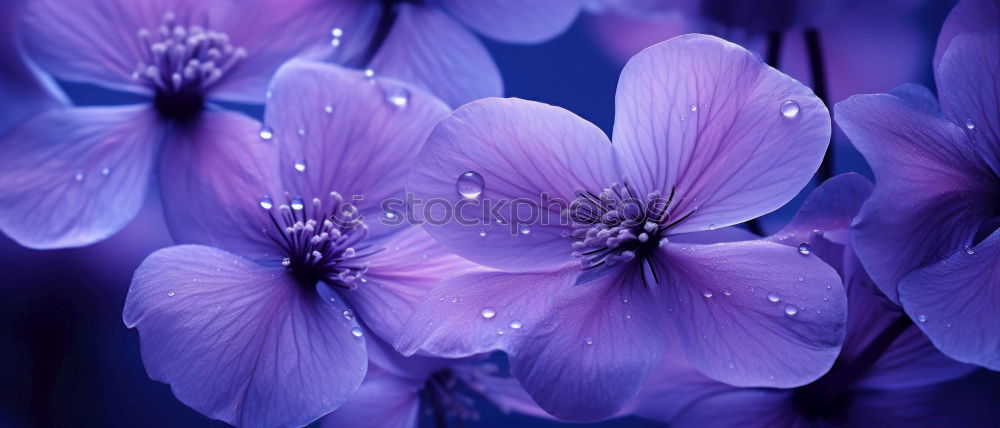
{"x": 791, "y": 309}
{"x": 390, "y": 215}
{"x": 300, "y": 165}
{"x": 805, "y": 249}
{"x": 694, "y": 107}
{"x": 369, "y": 73}
{"x": 266, "y": 202}
{"x": 969, "y": 125}
{"x": 328, "y": 108}
{"x": 707, "y": 293}
{"x": 489, "y": 313}
{"x": 266, "y": 133}
{"x": 397, "y": 96}
{"x": 790, "y": 109}
{"x": 970, "y": 251}
{"x": 773, "y": 297}
{"x": 301, "y": 131}
{"x": 470, "y": 185}
{"x": 337, "y": 32}
{"x": 732, "y": 365}
{"x": 482, "y": 232}
{"x": 589, "y": 341}
{"x": 78, "y": 176}
{"x": 356, "y": 331}
{"x": 727, "y": 293}
{"x": 454, "y": 300}
{"x": 105, "y": 171}
{"x": 801, "y": 279}
{"x": 286, "y": 262}
{"x": 347, "y": 314}
{"x": 170, "y": 294}
{"x": 922, "y": 318}
{"x": 526, "y": 229}
{"x": 297, "y": 204}
{"x": 515, "y": 325}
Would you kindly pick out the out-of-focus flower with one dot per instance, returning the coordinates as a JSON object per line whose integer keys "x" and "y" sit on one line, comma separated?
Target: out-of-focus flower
{"x": 24, "y": 91}
{"x": 706, "y": 136}
{"x": 928, "y": 236}
{"x": 264, "y": 322}
{"x": 433, "y": 44}
{"x": 887, "y": 371}
{"x": 73, "y": 176}
{"x": 398, "y": 391}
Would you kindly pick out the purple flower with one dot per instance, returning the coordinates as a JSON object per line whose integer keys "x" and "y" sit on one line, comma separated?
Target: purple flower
{"x": 887, "y": 371}
{"x": 263, "y": 322}
{"x": 73, "y": 176}
{"x": 397, "y": 391}
{"x": 928, "y": 236}
{"x": 24, "y": 90}
{"x": 429, "y": 43}
{"x": 706, "y": 136}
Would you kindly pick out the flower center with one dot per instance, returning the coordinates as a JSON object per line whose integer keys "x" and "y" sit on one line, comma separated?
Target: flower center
{"x": 180, "y": 63}
{"x": 616, "y": 226}
{"x": 323, "y": 241}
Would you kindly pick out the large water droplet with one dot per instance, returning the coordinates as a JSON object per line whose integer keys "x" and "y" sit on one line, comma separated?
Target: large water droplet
{"x": 969, "y": 125}
{"x": 266, "y": 202}
{"x": 805, "y": 249}
{"x": 489, "y": 313}
{"x": 791, "y": 309}
{"x": 297, "y": 204}
{"x": 348, "y": 314}
{"x": 397, "y": 96}
{"x": 790, "y": 109}
{"x": 515, "y": 325}
{"x": 470, "y": 185}
{"x": 266, "y": 133}
{"x": 922, "y": 318}
{"x": 356, "y": 331}
{"x": 300, "y": 165}
{"x": 773, "y": 297}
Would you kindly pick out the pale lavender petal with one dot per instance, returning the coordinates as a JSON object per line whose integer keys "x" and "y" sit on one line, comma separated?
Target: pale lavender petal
{"x": 97, "y": 41}
{"x": 968, "y": 16}
{"x": 754, "y": 313}
{"x": 75, "y": 176}
{"x": 483, "y": 311}
{"x": 921, "y": 162}
{"x": 593, "y": 351}
{"x": 431, "y": 50}
{"x": 384, "y": 400}
{"x": 954, "y": 302}
{"x": 274, "y": 31}
{"x": 399, "y": 277}
{"x": 339, "y": 131}
{"x": 215, "y": 174}
{"x": 518, "y": 21}
{"x": 918, "y": 96}
{"x": 734, "y": 137}
{"x": 968, "y": 80}
{"x": 519, "y": 150}
{"x": 828, "y": 212}
{"x": 241, "y": 342}
{"x": 24, "y": 90}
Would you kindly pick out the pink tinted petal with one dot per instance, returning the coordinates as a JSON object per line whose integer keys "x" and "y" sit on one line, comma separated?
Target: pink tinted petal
{"x": 925, "y": 164}
{"x": 968, "y": 16}
{"x": 241, "y": 342}
{"x": 754, "y": 313}
{"x": 434, "y": 52}
{"x": 214, "y": 174}
{"x": 520, "y": 150}
{"x": 274, "y": 31}
{"x": 518, "y": 21}
{"x": 24, "y": 90}
{"x": 594, "y": 350}
{"x": 968, "y": 80}
{"x": 399, "y": 277}
{"x": 338, "y": 131}
{"x": 97, "y": 41}
{"x": 483, "y": 311}
{"x": 704, "y": 116}
{"x": 958, "y": 297}
{"x": 384, "y": 400}
{"x": 75, "y": 176}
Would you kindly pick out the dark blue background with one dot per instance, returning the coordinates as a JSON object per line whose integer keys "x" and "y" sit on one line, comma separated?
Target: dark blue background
{"x": 67, "y": 359}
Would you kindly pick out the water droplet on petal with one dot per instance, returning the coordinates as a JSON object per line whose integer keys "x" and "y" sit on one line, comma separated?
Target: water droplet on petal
{"x": 470, "y": 185}
{"x": 266, "y": 133}
{"x": 970, "y": 251}
{"x": 454, "y": 300}
{"x": 397, "y": 96}
{"x": 170, "y": 294}
{"x": 356, "y": 331}
{"x": 791, "y": 309}
{"x": 790, "y": 109}
{"x": 922, "y": 318}
{"x": 286, "y": 262}
{"x": 369, "y": 73}
{"x": 301, "y": 131}
{"x": 297, "y": 204}
{"x": 805, "y": 249}
{"x": 694, "y": 107}
{"x": 969, "y": 125}
{"x": 300, "y": 165}
{"x": 337, "y": 32}
{"x": 482, "y": 232}
{"x": 105, "y": 171}
{"x": 589, "y": 341}
{"x": 727, "y": 293}
{"x": 515, "y": 324}
{"x": 773, "y": 297}
{"x": 526, "y": 229}
{"x": 707, "y": 293}
{"x": 489, "y": 313}
{"x": 78, "y": 176}
{"x": 328, "y": 108}
{"x": 266, "y": 202}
